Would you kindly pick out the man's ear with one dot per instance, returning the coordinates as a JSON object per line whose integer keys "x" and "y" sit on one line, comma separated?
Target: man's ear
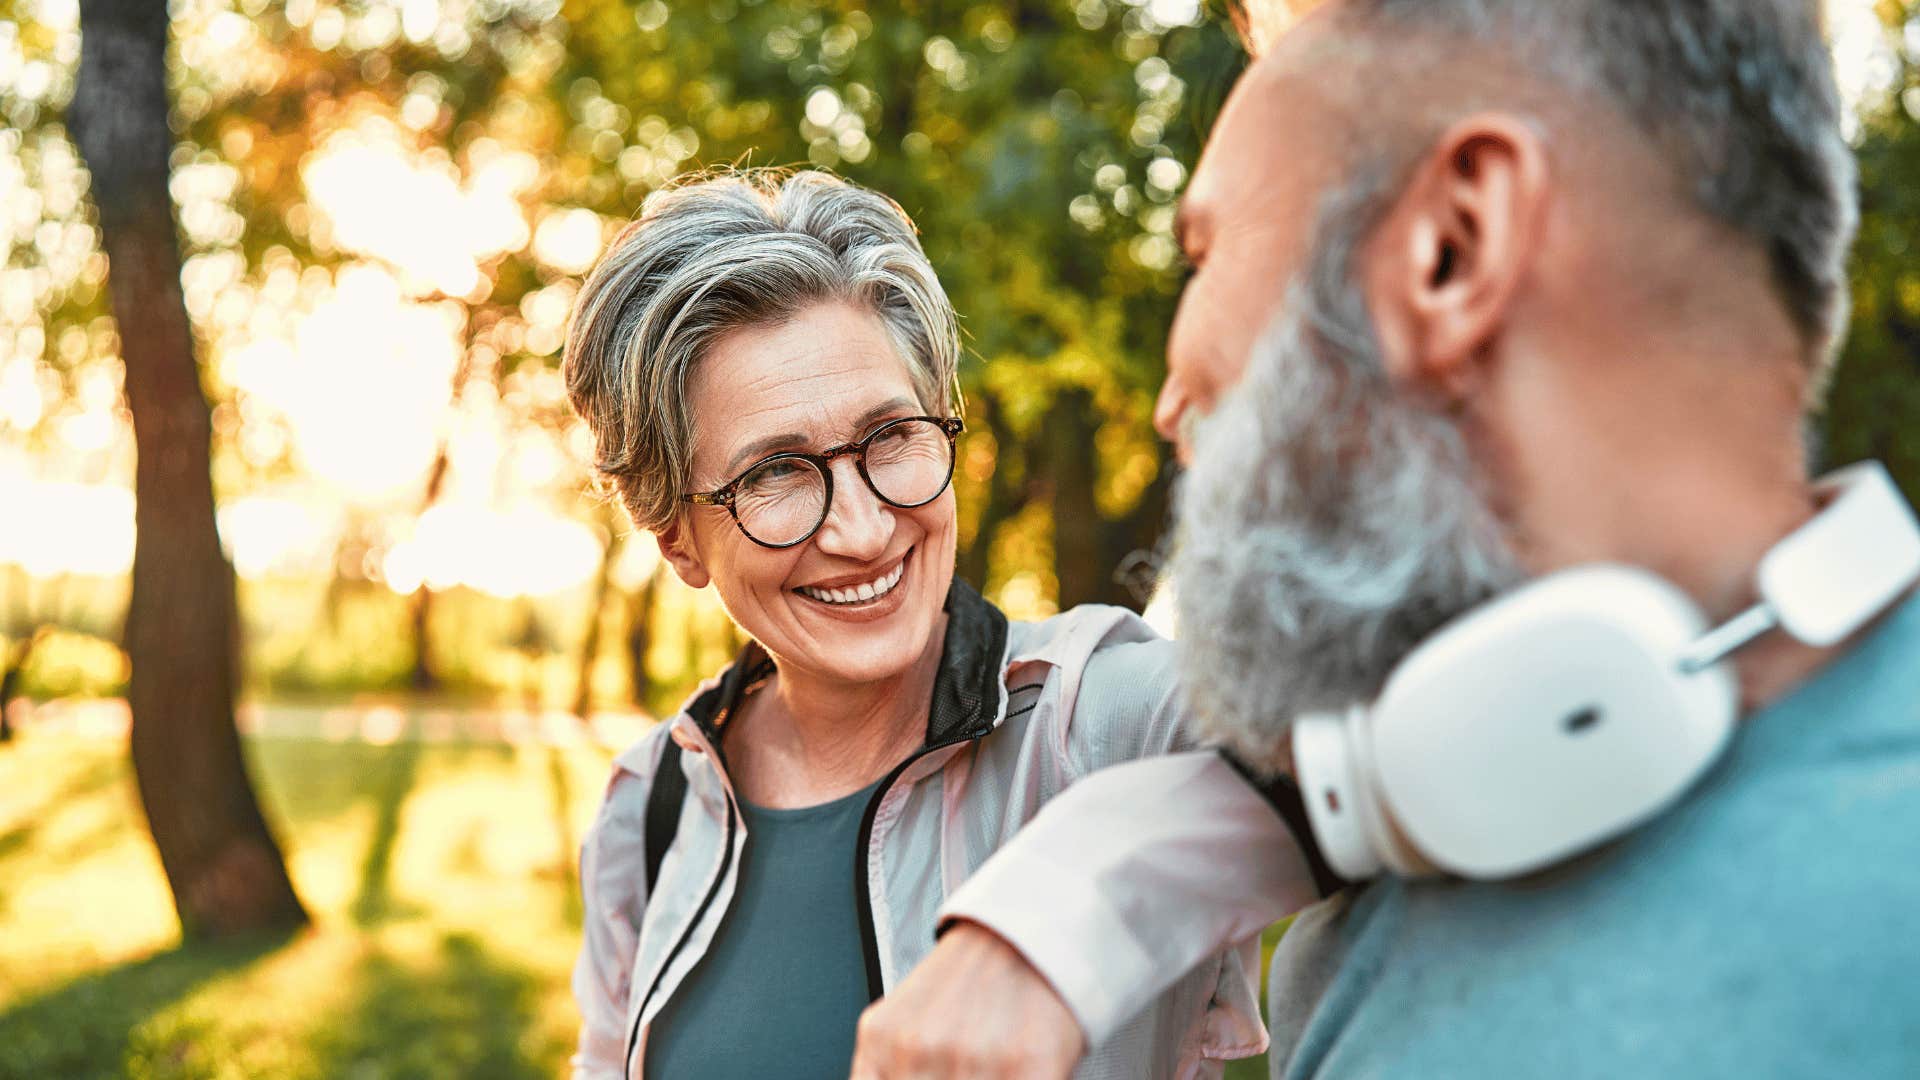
{"x": 676, "y": 546}
{"x": 1454, "y": 251}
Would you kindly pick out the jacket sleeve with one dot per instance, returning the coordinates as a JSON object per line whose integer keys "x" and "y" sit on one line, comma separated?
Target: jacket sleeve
{"x": 1126, "y": 705}
{"x": 613, "y": 894}
{"x": 1131, "y": 877}
{"x": 1153, "y": 860}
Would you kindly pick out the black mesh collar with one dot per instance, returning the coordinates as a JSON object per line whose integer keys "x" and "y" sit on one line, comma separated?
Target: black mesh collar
{"x": 966, "y": 692}
{"x": 966, "y": 689}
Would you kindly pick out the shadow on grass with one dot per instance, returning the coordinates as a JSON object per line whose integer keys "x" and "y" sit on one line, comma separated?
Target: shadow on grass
{"x": 86, "y": 1027}
{"x": 571, "y": 911}
{"x": 94, "y": 779}
{"x": 466, "y": 1014}
{"x": 312, "y": 781}
{"x": 375, "y": 904}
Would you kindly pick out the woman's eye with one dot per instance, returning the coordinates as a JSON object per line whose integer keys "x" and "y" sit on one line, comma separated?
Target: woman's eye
{"x": 776, "y": 474}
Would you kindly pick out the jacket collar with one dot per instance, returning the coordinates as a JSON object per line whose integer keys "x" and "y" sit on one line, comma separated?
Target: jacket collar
{"x": 966, "y": 689}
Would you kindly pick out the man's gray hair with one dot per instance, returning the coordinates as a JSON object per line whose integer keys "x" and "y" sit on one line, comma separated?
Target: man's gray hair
{"x": 1737, "y": 96}
{"x": 722, "y": 251}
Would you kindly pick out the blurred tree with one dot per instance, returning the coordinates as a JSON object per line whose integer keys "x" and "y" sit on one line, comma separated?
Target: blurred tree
{"x": 14, "y": 658}
{"x": 639, "y": 637}
{"x": 221, "y": 860}
{"x": 1040, "y": 148}
{"x": 1873, "y": 408}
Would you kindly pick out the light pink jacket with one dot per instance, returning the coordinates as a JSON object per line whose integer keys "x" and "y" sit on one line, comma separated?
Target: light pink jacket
{"x": 1143, "y": 867}
{"x": 1021, "y": 712}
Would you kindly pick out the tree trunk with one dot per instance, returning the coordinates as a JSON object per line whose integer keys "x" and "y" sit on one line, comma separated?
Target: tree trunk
{"x": 426, "y": 675}
{"x": 640, "y": 635}
{"x": 1134, "y": 545}
{"x": 590, "y": 644}
{"x": 181, "y": 636}
{"x": 1079, "y": 559}
{"x": 1008, "y": 489}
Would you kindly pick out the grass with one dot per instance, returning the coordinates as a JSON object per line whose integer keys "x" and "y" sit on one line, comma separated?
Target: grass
{"x": 440, "y": 878}
{"x": 441, "y": 882}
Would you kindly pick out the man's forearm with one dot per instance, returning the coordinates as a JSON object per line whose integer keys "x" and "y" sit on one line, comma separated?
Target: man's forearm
{"x": 1133, "y": 876}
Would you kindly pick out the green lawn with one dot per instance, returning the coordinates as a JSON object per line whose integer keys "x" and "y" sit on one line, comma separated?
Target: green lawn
{"x": 440, "y": 877}
{"x": 446, "y": 919}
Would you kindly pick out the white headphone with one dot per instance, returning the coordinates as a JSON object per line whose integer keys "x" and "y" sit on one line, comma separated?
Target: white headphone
{"x": 1573, "y": 709}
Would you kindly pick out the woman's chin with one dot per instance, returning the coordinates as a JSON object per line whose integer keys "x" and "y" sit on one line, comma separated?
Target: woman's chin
{"x": 878, "y": 641}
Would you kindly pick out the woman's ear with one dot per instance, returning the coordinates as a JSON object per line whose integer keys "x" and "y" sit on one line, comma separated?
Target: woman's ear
{"x": 1455, "y": 250}
{"x": 676, "y": 546}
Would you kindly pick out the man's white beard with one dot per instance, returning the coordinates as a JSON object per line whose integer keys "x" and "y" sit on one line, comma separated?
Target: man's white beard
{"x": 1327, "y": 525}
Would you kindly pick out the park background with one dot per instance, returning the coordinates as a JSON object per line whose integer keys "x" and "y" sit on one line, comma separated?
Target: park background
{"x": 361, "y": 224}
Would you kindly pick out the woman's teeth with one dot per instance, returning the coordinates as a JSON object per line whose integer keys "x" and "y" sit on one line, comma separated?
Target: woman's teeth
{"x": 855, "y": 594}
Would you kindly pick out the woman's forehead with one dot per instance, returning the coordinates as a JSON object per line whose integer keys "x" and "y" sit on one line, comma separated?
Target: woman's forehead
{"x": 816, "y": 380}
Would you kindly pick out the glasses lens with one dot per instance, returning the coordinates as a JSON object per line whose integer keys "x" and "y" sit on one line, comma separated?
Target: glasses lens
{"x": 781, "y": 501}
{"x": 909, "y": 462}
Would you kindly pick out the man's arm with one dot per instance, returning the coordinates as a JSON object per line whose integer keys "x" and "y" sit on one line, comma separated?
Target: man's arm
{"x": 1117, "y": 888}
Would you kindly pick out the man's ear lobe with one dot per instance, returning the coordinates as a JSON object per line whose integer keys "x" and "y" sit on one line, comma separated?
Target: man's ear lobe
{"x": 1458, "y": 247}
{"x": 676, "y": 546}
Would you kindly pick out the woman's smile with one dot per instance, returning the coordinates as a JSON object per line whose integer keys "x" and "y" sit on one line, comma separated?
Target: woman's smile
{"x": 861, "y": 590}
{"x": 863, "y": 598}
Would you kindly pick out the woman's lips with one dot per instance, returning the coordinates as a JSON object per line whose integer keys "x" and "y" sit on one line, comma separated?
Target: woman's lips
{"x": 878, "y": 605}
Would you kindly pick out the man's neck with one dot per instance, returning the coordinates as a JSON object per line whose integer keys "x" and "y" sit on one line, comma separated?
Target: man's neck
{"x": 1712, "y": 551}
{"x": 1678, "y": 447}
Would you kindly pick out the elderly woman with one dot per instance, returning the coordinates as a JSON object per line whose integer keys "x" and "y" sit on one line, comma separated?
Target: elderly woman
{"x": 767, "y": 363}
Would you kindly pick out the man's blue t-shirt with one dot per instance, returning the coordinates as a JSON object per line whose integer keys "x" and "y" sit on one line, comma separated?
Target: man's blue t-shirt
{"x": 1769, "y": 926}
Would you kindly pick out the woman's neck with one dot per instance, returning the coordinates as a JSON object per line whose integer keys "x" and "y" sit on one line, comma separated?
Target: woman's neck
{"x": 801, "y": 741}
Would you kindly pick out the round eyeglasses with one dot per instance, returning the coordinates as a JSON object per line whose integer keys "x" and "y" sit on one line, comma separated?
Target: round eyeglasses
{"x": 783, "y": 500}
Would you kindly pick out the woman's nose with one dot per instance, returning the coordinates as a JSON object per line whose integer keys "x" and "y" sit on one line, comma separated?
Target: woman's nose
{"x": 858, "y": 525}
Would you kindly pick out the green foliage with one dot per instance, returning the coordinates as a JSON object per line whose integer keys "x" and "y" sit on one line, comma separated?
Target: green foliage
{"x": 1873, "y": 408}
{"x": 1039, "y": 147}
{"x": 68, "y": 664}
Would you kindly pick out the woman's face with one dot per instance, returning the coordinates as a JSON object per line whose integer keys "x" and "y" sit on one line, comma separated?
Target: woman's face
{"x": 826, "y": 377}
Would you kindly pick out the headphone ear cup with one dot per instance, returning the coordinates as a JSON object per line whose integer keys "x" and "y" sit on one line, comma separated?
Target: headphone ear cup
{"x": 1333, "y": 764}
{"x": 1326, "y": 764}
{"x": 1545, "y": 723}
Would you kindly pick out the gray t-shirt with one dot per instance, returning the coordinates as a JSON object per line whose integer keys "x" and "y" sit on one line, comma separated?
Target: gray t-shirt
{"x": 781, "y": 990}
{"x": 1769, "y": 926}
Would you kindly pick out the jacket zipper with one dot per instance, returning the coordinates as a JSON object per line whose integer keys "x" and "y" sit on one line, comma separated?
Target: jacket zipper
{"x": 713, "y": 890}
{"x": 863, "y": 894}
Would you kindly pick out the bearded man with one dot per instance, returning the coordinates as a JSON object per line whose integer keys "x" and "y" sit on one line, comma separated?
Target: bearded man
{"x": 1485, "y": 289}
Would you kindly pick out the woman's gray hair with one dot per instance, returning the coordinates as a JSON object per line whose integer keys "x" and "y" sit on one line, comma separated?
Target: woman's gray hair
{"x": 717, "y": 252}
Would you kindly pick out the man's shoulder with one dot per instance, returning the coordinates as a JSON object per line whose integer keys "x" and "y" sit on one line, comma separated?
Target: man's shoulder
{"x": 1077, "y": 632}
{"x": 1767, "y": 914}
{"x": 1761, "y": 926}
{"x": 1113, "y": 659}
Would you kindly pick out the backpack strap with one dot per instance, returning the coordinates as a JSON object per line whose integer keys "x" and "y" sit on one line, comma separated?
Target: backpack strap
{"x": 663, "y": 810}
{"x": 669, "y": 783}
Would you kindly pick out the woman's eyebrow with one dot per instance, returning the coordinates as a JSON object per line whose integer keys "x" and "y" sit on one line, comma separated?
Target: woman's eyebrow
{"x": 774, "y": 444}
{"x": 891, "y": 410}
{"x": 762, "y": 447}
